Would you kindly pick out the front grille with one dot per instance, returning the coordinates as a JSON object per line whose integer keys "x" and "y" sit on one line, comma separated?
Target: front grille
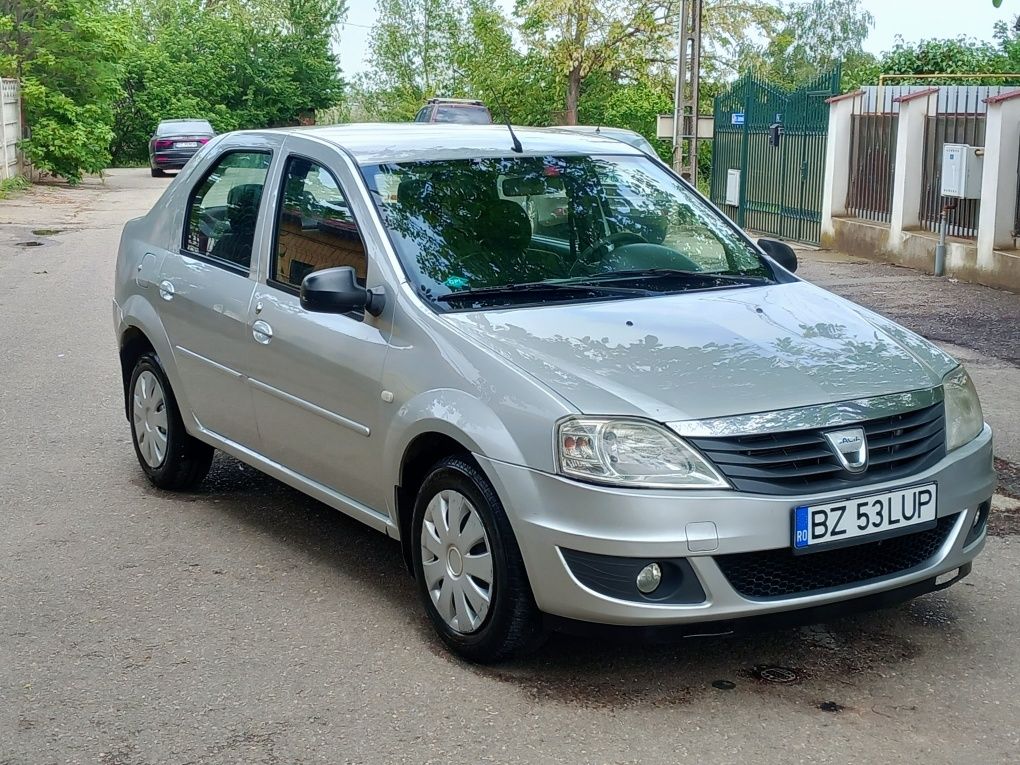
{"x": 801, "y": 461}
{"x": 780, "y": 573}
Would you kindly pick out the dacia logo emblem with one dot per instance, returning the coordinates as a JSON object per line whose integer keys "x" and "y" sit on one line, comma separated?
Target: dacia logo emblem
{"x": 850, "y": 447}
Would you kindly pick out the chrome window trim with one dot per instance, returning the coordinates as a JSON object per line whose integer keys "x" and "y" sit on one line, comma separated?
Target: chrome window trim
{"x": 808, "y": 417}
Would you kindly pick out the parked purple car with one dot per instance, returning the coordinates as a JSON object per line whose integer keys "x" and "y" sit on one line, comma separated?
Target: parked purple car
{"x": 174, "y": 143}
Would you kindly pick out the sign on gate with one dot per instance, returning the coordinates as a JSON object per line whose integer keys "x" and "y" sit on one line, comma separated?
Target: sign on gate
{"x": 780, "y": 182}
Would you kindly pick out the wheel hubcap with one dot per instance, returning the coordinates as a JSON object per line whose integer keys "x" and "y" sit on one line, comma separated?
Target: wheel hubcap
{"x": 149, "y": 417}
{"x": 456, "y": 561}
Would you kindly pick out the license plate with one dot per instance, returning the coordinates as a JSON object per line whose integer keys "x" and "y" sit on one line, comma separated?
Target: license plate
{"x": 875, "y": 515}
{"x": 186, "y": 145}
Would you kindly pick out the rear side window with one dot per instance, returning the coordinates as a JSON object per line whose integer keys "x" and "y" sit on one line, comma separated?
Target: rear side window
{"x": 316, "y": 229}
{"x": 224, "y": 209}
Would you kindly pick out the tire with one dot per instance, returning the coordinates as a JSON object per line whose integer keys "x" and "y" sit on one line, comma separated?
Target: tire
{"x": 182, "y": 461}
{"x": 511, "y": 625}
{"x": 157, "y": 172}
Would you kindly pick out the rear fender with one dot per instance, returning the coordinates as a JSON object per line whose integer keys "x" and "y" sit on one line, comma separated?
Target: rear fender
{"x": 139, "y": 314}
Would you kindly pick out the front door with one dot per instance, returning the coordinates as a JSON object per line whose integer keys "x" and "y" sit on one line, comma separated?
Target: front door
{"x": 206, "y": 290}
{"x": 315, "y": 378}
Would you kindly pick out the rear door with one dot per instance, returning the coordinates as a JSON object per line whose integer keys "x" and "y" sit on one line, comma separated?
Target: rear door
{"x": 316, "y": 378}
{"x": 206, "y": 288}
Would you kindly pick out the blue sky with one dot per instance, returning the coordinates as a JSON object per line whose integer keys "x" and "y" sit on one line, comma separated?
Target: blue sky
{"x": 913, "y": 19}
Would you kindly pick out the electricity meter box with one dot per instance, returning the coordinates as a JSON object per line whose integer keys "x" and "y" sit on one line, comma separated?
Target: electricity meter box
{"x": 732, "y": 187}
{"x": 961, "y": 170}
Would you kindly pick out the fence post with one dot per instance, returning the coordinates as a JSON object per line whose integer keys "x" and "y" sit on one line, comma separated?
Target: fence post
{"x": 908, "y": 173}
{"x": 997, "y": 215}
{"x": 5, "y": 171}
{"x": 837, "y": 161}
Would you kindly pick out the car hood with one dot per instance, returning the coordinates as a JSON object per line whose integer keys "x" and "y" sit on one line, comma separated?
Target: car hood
{"x": 709, "y": 354}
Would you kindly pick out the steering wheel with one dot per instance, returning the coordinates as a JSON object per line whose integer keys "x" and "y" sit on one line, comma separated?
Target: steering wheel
{"x": 619, "y": 238}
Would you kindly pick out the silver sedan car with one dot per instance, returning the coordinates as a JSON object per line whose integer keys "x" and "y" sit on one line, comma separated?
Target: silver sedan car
{"x": 577, "y": 395}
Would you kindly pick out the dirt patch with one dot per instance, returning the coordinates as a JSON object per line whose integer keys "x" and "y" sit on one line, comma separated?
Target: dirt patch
{"x": 1004, "y": 522}
{"x": 831, "y": 707}
{"x": 1009, "y": 478}
{"x": 632, "y": 673}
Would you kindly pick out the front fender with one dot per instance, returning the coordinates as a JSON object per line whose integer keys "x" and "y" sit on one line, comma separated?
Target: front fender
{"x": 456, "y": 414}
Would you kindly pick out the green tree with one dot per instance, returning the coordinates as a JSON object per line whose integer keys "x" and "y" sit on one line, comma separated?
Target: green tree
{"x": 67, "y": 55}
{"x": 956, "y": 56}
{"x": 583, "y": 38}
{"x": 238, "y": 63}
{"x": 412, "y": 55}
{"x": 522, "y": 87}
{"x": 731, "y": 30}
{"x": 815, "y": 36}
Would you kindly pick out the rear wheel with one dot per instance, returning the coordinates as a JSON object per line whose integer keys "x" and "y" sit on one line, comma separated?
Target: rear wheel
{"x": 170, "y": 457}
{"x": 468, "y": 566}
{"x": 157, "y": 172}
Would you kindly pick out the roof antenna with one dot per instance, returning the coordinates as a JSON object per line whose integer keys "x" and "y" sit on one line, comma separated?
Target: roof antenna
{"x": 517, "y": 143}
{"x": 516, "y": 147}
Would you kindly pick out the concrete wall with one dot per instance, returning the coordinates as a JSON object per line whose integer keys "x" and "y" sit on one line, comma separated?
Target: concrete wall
{"x": 916, "y": 249}
{"x": 10, "y": 128}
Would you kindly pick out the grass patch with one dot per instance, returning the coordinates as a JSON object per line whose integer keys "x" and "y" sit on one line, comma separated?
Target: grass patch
{"x": 11, "y": 186}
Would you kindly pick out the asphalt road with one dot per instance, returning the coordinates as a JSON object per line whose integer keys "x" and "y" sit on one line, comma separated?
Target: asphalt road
{"x": 248, "y": 624}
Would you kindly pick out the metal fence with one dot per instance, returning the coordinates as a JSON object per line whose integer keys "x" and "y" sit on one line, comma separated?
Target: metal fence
{"x": 872, "y": 163}
{"x": 960, "y": 119}
{"x": 10, "y": 128}
{"x": 957, "y": 116}
{"x": 766, "y": 185}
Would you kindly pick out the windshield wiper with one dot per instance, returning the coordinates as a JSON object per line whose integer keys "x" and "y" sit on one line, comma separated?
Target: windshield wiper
{"x": 531, "y": 288}
{"x": 708, "y": 277}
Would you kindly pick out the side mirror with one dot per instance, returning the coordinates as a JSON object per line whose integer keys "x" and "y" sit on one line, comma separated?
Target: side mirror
{"x": 336, "y": 290}
{"x": 780, "y": 252}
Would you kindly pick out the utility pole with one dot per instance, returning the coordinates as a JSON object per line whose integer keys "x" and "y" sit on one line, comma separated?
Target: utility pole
{"x": 685, "y": 96}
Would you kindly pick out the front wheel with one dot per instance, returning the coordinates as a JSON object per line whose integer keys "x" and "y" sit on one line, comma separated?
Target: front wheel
{"x": 171, "y": 458}
{"x": 468, "y": 566}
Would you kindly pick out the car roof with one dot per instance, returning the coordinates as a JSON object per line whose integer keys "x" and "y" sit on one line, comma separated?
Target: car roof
{"x": 374, "y": 143}
{"x": 461, "y": 101}
{"x": 626, "y": 135}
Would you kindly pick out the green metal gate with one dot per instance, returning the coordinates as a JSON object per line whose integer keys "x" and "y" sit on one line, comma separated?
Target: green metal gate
{"x": 775, "y": 190}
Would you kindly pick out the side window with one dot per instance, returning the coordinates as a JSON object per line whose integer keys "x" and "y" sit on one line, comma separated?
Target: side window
{"x": 316, "y": 229}
{"x": 224, "y": 208}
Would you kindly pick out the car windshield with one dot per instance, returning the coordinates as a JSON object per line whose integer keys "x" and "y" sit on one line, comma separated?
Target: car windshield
{"x": 463, "y": 114}
{"x": 513, "y": 231}
{"x": 184, "y": 127}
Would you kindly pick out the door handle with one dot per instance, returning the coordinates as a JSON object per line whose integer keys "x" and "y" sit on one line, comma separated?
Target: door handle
{"x": 166, "y": 290}
{"x": 262, "y": 332}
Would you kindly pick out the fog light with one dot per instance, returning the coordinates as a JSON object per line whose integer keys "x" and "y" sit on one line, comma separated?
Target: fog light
{"x": 946, "y": 578}
{"x": 649, "y": 577}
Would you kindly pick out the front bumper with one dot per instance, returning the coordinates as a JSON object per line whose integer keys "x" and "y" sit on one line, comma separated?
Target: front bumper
{"x": 551, "y": 514}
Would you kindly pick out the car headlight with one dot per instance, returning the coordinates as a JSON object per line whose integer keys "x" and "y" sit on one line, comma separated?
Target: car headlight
{"x": 631, "y": 453}
{"x": 964, "y": 419}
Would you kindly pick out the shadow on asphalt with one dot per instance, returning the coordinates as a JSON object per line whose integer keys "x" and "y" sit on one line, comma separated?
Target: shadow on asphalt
{"x": 595, "y": 673}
